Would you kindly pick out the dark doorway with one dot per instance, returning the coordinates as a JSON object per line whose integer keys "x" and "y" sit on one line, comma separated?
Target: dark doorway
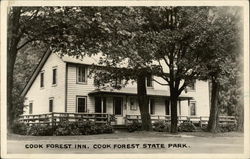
{"x": 118, "y": 105}
{"x": 99, "y": 108}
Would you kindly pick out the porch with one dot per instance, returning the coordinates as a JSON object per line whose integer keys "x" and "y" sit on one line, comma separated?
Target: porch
{"x": 103, "y": 118}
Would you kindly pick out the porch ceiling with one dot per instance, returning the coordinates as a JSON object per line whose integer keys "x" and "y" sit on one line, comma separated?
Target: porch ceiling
{"x": 133, "y": 92}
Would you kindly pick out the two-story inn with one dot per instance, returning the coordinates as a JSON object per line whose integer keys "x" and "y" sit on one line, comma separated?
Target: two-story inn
{"x": 61, "y": 84}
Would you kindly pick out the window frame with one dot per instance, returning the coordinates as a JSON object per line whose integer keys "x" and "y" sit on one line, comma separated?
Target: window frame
{"x": 77, "y": 74}
{"x": 190, "y": 108}
{"x": 54, "y": 68}
{"x": 134, "y": 107}
{"x": 151, "y": 109}
{"x": 151, "y": 81}
{"x": 31, "y": 106}
{"x": 193, "y": 87}
{"x": 51, "y": 107}
{"x": 85, "y": 97}
{"x": 42, "y": 79}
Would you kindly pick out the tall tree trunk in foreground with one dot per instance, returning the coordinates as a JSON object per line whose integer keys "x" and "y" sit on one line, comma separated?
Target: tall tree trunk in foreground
{"x": 13, "y": 40}
{"x": 174, "y": 117}
{"x": 143, "y": 103}
{"x": 214, "y": 109}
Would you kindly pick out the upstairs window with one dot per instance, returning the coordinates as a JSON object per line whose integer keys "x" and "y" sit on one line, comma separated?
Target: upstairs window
{"x": 149, "y": 81}
{"x": 54, "y": 76}
{"x": 42, "y": 79}
{"x": 81, "y": 74}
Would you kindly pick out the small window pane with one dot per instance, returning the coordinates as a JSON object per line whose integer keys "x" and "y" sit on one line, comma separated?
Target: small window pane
{"x": 149, "y": 81}
{"x": 42, "y": 79}
{"x": 30, "y": 108}
{"x": 54, "y": 76}
{"x": 51, "y": 103}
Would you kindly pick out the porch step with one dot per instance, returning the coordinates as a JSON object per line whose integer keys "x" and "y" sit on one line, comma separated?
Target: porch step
{"x": 119, "y": 126}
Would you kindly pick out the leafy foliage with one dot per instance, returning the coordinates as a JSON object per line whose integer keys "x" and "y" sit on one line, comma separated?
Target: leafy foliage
{"x": 162, "y": 126}
{"x": 19, "y": 128}
{"x": 135, "y": 126}
{"x": 227, "y": 127}
{"x": 186, "y": 127}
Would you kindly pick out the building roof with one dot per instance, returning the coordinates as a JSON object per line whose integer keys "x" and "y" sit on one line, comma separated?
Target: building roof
{"x": 133, "y": 92}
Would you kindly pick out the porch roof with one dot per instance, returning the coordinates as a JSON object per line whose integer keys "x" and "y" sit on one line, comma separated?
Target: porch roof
{"x": 133, "y": 92}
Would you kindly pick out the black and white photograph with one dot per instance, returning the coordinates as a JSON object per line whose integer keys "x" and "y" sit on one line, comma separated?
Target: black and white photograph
{"x": 125, "y": 80}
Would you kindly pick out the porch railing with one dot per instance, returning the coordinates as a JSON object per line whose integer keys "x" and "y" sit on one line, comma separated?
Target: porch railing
{"x": 201, "y": 120}
{"x": 54, "y": 118}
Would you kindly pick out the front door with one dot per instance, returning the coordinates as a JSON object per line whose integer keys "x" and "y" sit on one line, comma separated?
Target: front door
{"x": 118, "y": 110}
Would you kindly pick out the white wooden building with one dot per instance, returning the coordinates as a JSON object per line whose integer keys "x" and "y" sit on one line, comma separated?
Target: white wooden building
{"x": 61, "y": 84}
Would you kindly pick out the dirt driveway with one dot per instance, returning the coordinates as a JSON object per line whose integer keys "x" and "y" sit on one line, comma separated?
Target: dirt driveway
{"x": 124, "y": 142}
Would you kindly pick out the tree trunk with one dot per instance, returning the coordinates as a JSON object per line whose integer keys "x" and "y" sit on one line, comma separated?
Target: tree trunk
{"x": 12, "y": 42}
{"x": 214, "y": 108}
{"x": 174, "y": 117}
{"x": 143, "y": 103}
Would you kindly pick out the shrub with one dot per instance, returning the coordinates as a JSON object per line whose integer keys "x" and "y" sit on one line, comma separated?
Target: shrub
{"x": 227, "y": 127}
{"x": 82, "y": 128}
{"x": 186, "y": 127}
{"x": 40, "y": 130}
{"x": 162, "y": 126}
{"x": 135, "y": 126}
{"x": 20, "y": 128}
{"x": 67, "y": 128}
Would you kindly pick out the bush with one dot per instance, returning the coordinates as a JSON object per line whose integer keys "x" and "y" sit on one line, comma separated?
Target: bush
{"x": 20, "y": 128}
{"x": 82, "y": 128}
{"x": 186, "y": 127}
{"x": 227, "y": 127}
{"x": 67, "y": 128}
{"x": 40, "y": 130}
{"x": 162, "y": 126}
{"x": 135, "y": 126}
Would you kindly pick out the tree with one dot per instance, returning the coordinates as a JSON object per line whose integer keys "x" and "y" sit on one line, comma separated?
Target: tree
{"x": 222, "y": 48}
{"x": 177, "y": 38}
{"x": 58, "y": 28}
{"x": 124, "y": 49}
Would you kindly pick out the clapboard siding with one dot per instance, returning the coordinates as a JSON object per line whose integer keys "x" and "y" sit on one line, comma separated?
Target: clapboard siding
{"x": 40, "y": 96}
{"x": 75, "y": 89}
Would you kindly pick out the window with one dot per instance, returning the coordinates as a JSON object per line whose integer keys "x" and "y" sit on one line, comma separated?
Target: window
{"x": 192, "y": 108}
{"x": 133, "y": 105}
{"x": 51, "y": 104}
{"x": 167, "y": 107}
{"x": 81, "y": 74}
{"x": 151, "y": 106}
{"x": 81, "y": 104}
{"x": 54, "y": 76}
{"x": 30, "y": 107}
{"x": 191, "y": 86}
{"x": 42, "y": 79}
{"x": 149, "y": 81}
